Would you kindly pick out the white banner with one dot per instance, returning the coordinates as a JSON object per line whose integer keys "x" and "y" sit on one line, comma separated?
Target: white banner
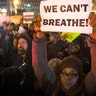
{"x": 65, "y": 15}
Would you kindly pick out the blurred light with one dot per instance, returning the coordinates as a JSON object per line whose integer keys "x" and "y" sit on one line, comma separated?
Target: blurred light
{"x": 28, "y": 5}
{"x": 3, "y": 10}
{"x": 16, "y": 2}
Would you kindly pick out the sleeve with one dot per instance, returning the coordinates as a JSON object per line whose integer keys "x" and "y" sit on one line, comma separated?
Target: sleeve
{"x": 90, "y": 80}
{"x": 39, "y": 61}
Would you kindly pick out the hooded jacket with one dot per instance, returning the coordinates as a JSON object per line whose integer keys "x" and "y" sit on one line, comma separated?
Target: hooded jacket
{"x": 25, "y": 65}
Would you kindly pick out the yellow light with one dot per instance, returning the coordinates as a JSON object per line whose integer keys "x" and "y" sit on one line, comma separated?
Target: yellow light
{"x": 16, "y": 2}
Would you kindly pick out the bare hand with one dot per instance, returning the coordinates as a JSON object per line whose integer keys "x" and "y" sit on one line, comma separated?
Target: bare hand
{"x": 92, "y": 21}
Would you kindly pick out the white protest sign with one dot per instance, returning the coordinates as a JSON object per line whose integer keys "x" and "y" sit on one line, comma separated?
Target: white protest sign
{"x": 27, "y": 17}
{"x": 65, "y": 16}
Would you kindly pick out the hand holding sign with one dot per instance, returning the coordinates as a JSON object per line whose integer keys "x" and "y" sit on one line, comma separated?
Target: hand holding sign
{"x": 92, "y": 22}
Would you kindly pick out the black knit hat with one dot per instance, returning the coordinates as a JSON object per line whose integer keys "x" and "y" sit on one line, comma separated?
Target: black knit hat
{"x": 72, "y": 62}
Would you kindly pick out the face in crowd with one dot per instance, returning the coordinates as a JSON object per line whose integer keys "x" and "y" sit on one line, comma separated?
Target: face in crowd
{"x": 36, "y": 26}
{"x": 71, "y": 72}
{"x": 69, "y": 76}
{"x": 22, "y": 46}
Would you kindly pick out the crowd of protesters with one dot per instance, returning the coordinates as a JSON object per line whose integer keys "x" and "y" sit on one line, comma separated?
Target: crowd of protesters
{"x": 35, "y": 63}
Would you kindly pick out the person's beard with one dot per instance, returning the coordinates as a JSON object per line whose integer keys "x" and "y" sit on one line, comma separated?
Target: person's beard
{"x": 21, "y": 51}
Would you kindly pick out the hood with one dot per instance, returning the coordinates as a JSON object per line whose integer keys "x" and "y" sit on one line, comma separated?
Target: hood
{"x": 29, "y": 41}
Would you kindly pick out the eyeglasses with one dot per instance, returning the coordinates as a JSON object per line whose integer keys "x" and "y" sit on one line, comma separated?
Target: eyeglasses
{"x": 70, "y": 76}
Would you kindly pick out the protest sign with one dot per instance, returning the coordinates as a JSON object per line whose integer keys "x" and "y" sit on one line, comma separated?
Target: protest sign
{"x": 28, "y": 17}
{"x": 70, "y": 36}
{"x": 65, "y": 16}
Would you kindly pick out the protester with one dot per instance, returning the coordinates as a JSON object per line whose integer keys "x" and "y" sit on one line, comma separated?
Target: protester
{"x": 56, "y": 46}
{"x": 71, "y": 80}
{"x": 38, "y": 57}
{"x": 12, "y": 82}
{"x": 22, "y": 29}
{"x": 22, "y": 59}
{"x": 2, "y": 60}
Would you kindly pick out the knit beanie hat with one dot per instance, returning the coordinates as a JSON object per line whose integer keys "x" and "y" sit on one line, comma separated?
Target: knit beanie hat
{"x": 72, "y": 62}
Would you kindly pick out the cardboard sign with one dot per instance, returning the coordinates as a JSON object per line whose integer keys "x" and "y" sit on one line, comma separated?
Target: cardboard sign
{"x": 65, "y": 16}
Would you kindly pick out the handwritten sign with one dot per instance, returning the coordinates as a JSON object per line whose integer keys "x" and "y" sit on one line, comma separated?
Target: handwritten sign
{"x": 65, "y": 16}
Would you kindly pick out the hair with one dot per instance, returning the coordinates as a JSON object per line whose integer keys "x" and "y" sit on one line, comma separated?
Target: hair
{"x": 55, "y": 34}
{"x": 37, "y": 23}
{"x": 54, "y": 63}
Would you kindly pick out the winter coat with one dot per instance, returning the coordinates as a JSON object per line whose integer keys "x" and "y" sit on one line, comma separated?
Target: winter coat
{"x": 39, "y": 60}
{"x": 25, "y": 65}
{"x": 57, "y": 49}
{"x": 89, "y": 84}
